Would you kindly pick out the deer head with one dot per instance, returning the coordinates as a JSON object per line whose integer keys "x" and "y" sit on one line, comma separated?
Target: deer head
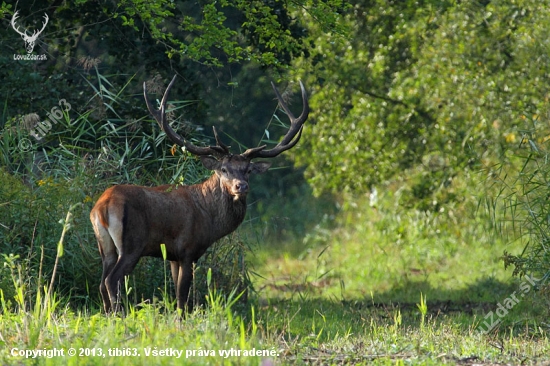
{"x": 233, "y": 170}
{"x": 29, "y": 40}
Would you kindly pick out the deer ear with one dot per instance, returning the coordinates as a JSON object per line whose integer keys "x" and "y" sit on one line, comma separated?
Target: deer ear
{"x": 259, "y": 167}
{"x": 210, "y": 162}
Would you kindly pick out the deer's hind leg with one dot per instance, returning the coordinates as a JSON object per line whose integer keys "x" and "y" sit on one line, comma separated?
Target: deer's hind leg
{"x": 109, "y": 257}
{"x": 124, "y": 262}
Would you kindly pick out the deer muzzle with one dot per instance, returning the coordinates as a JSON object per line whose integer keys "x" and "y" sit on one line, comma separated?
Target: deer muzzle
{"x": 239, "y": 188}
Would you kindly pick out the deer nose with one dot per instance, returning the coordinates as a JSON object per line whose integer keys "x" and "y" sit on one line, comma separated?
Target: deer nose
{"x": 241, "y": 187}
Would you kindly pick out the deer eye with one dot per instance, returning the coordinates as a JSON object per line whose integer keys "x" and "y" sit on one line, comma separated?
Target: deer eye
{"x": 224, "y": 170}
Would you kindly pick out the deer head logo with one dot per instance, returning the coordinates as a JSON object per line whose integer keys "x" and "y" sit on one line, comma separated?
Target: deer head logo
{"x": 29, "y": 40}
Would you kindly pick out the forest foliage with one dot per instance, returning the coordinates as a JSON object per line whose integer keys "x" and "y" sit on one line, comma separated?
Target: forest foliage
{"x": 432, "y": 88}
{"x": 435, "y": 100}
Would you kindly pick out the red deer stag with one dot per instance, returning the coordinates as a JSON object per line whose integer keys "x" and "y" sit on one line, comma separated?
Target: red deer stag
{"x": 132, "y": 221}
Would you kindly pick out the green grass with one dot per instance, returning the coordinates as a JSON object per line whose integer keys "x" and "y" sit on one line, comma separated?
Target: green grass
{"x": 137, "y": 338}
{"x": 391, "y": 254}
{"x": 380, "y": 285}
{"x": 316, "y": 330}
{"x": 407, "y": 286}
{"x": 302, "y": 331}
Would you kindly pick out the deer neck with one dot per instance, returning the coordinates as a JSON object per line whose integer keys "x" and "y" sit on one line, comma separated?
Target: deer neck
{"x": 225, "y": 211}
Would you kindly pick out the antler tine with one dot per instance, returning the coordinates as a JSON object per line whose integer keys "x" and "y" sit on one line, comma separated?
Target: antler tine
{"x": 160, "y": 117}
{"x": 294, "y": 132}
{"x": 160, "y": 114}
{"x": 221, "y": 148}
{"x": 253, "y": 152}
{"x": 281, "y": 100}
{"x": 15, "y": 27}
{"x": 44, "y": 24}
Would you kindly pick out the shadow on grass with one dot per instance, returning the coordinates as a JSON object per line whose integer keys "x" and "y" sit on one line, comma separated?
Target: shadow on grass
{"x": 327, "y": 331}
{"x": 487, "y": 290}
{"x": 484, "y": 290}
{"x": 465, "y": 307}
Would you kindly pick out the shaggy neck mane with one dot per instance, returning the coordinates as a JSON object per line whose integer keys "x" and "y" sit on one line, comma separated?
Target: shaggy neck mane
{"x": 224, "y": 210}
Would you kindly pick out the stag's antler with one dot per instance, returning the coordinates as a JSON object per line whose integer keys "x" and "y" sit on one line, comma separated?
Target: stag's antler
{"x": 43, "y": 25}
{"x": 160, "y": 117}
{"x": 16, "y": 28}
{"x": 289, "y": 140}
{"x": 293, "y": 134}
{"x": 35, "y": 34}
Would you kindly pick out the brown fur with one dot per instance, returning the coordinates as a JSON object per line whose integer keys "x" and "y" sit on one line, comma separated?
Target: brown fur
{"x": 132, "y": 221}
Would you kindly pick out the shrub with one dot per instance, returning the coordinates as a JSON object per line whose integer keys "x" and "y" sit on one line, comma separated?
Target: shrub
{"x": 521, "y": 209}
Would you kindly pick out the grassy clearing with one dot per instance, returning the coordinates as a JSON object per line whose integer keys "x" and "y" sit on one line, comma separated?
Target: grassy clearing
{"x": 327, "y": 332}
{"x": 144, "y": 336}
{"x": 357, "y": 289}
{"x": 295, "y": 332}
{"x": 372, "y": 285}
{"x": 391, "y": 254}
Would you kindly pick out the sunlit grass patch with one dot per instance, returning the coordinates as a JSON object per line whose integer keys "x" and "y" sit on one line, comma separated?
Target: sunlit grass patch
{"x": 150, "y": 333}
{"x": 391, "y": 253}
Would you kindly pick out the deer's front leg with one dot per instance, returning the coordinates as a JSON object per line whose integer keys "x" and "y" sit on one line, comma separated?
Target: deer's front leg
{"x": 175, "y": 269}
{"x": 183, "y": 284}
